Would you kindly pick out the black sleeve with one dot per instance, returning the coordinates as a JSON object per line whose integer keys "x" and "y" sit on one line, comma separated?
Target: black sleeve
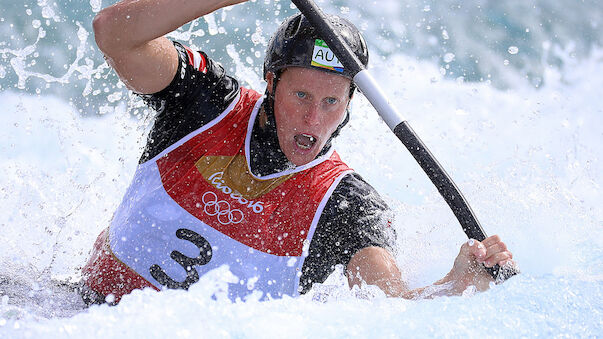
{"x": 199, "y": 92}
{"x": 354, "y": 217}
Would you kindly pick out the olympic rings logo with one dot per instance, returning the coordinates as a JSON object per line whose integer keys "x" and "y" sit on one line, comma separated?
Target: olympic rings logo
{"x": 220, "y": 208}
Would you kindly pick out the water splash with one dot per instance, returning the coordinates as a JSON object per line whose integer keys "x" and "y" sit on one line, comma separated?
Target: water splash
{"x": 82, "y": 67}
{"x": 527, "y": 161}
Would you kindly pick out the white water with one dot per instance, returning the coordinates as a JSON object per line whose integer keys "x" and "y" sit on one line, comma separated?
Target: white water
{"x": 528, "y": 161}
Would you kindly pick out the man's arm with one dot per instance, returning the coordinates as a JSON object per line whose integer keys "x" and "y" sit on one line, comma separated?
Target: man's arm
{"x": 376, "y": 266}
{"x": 130, "y": 34}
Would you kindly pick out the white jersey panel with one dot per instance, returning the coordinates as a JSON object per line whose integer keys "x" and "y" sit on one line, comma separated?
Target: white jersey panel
{"x": 143, "y": 234}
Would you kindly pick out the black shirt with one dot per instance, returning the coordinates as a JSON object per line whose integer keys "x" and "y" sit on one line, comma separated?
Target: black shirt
{"x": 354, "y": 217}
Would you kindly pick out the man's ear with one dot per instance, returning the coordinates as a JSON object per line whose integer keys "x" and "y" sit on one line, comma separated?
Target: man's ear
{"x": 269, "y": 81}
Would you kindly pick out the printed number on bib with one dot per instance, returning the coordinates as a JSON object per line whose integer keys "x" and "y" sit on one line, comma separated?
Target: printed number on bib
{"x": 187, "y": 263}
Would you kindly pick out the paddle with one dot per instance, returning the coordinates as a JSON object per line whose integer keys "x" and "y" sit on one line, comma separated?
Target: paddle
{"x": 371, "y": 90}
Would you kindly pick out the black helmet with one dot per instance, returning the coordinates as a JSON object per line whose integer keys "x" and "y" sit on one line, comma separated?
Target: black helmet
{"x": 296, "y": 43}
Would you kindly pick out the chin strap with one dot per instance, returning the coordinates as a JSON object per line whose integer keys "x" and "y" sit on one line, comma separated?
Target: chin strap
{"x": 269, "y": 103}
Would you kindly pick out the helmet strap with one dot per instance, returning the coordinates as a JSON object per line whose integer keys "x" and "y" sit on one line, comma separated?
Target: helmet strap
{"x": 269, "y": 101}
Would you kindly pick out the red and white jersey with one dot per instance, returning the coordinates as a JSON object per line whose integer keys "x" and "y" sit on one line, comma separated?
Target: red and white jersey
{"x": 196, "y": 206}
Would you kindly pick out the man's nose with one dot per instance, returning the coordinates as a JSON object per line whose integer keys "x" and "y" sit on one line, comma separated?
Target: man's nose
{"x": 312, "y": 116}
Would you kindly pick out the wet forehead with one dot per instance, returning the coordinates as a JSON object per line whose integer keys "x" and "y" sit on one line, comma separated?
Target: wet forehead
{"x": 312, "y": 79}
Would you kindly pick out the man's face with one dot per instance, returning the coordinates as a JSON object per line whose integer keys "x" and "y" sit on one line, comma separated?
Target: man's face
{"x": 308, "y": 106}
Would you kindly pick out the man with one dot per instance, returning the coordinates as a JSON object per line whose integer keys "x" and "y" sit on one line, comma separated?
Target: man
{"x": 230, "y": 177}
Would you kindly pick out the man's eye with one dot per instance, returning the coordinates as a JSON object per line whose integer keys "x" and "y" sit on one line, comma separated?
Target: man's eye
{"x": 300, "y": 94}
{"x": 331, "y": 101}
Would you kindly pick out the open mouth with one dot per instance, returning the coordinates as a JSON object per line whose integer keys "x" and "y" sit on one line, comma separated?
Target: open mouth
{"x": 305, "y": 141}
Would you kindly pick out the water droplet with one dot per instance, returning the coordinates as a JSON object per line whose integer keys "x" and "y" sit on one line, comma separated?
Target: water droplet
{"x": 36, "y": 23}
{"x": 82, "y": 34}
{"x": 96, "y": 5}
{"x": 47, "y": 12}
{"x": 448, "y": 57}
{"x": 506, "y": 62}
{"x": 513, "y": 50}
{"x": 110, "y": 298}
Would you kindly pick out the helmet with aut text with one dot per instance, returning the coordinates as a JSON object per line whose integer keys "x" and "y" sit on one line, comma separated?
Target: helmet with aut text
{"x": 296, "y": 43}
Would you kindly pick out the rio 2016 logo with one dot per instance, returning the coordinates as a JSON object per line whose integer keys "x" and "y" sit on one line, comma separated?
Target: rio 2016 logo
{"x": 217, "y": 181}
{"x": 221, "y": 209}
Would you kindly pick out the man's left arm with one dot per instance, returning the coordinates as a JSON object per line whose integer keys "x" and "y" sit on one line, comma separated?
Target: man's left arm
{"x": 377, "y": 266}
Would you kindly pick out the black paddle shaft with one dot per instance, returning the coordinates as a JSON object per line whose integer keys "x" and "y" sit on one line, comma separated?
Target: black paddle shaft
{"x": 407, "y": 136}
{"x": 448, "y": 190}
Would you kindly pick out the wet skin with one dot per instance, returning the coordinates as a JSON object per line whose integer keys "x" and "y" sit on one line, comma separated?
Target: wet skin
{"x": 308, "y": 106}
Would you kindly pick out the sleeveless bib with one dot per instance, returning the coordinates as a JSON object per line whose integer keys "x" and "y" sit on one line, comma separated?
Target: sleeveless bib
{"x": 196, "y": 207}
